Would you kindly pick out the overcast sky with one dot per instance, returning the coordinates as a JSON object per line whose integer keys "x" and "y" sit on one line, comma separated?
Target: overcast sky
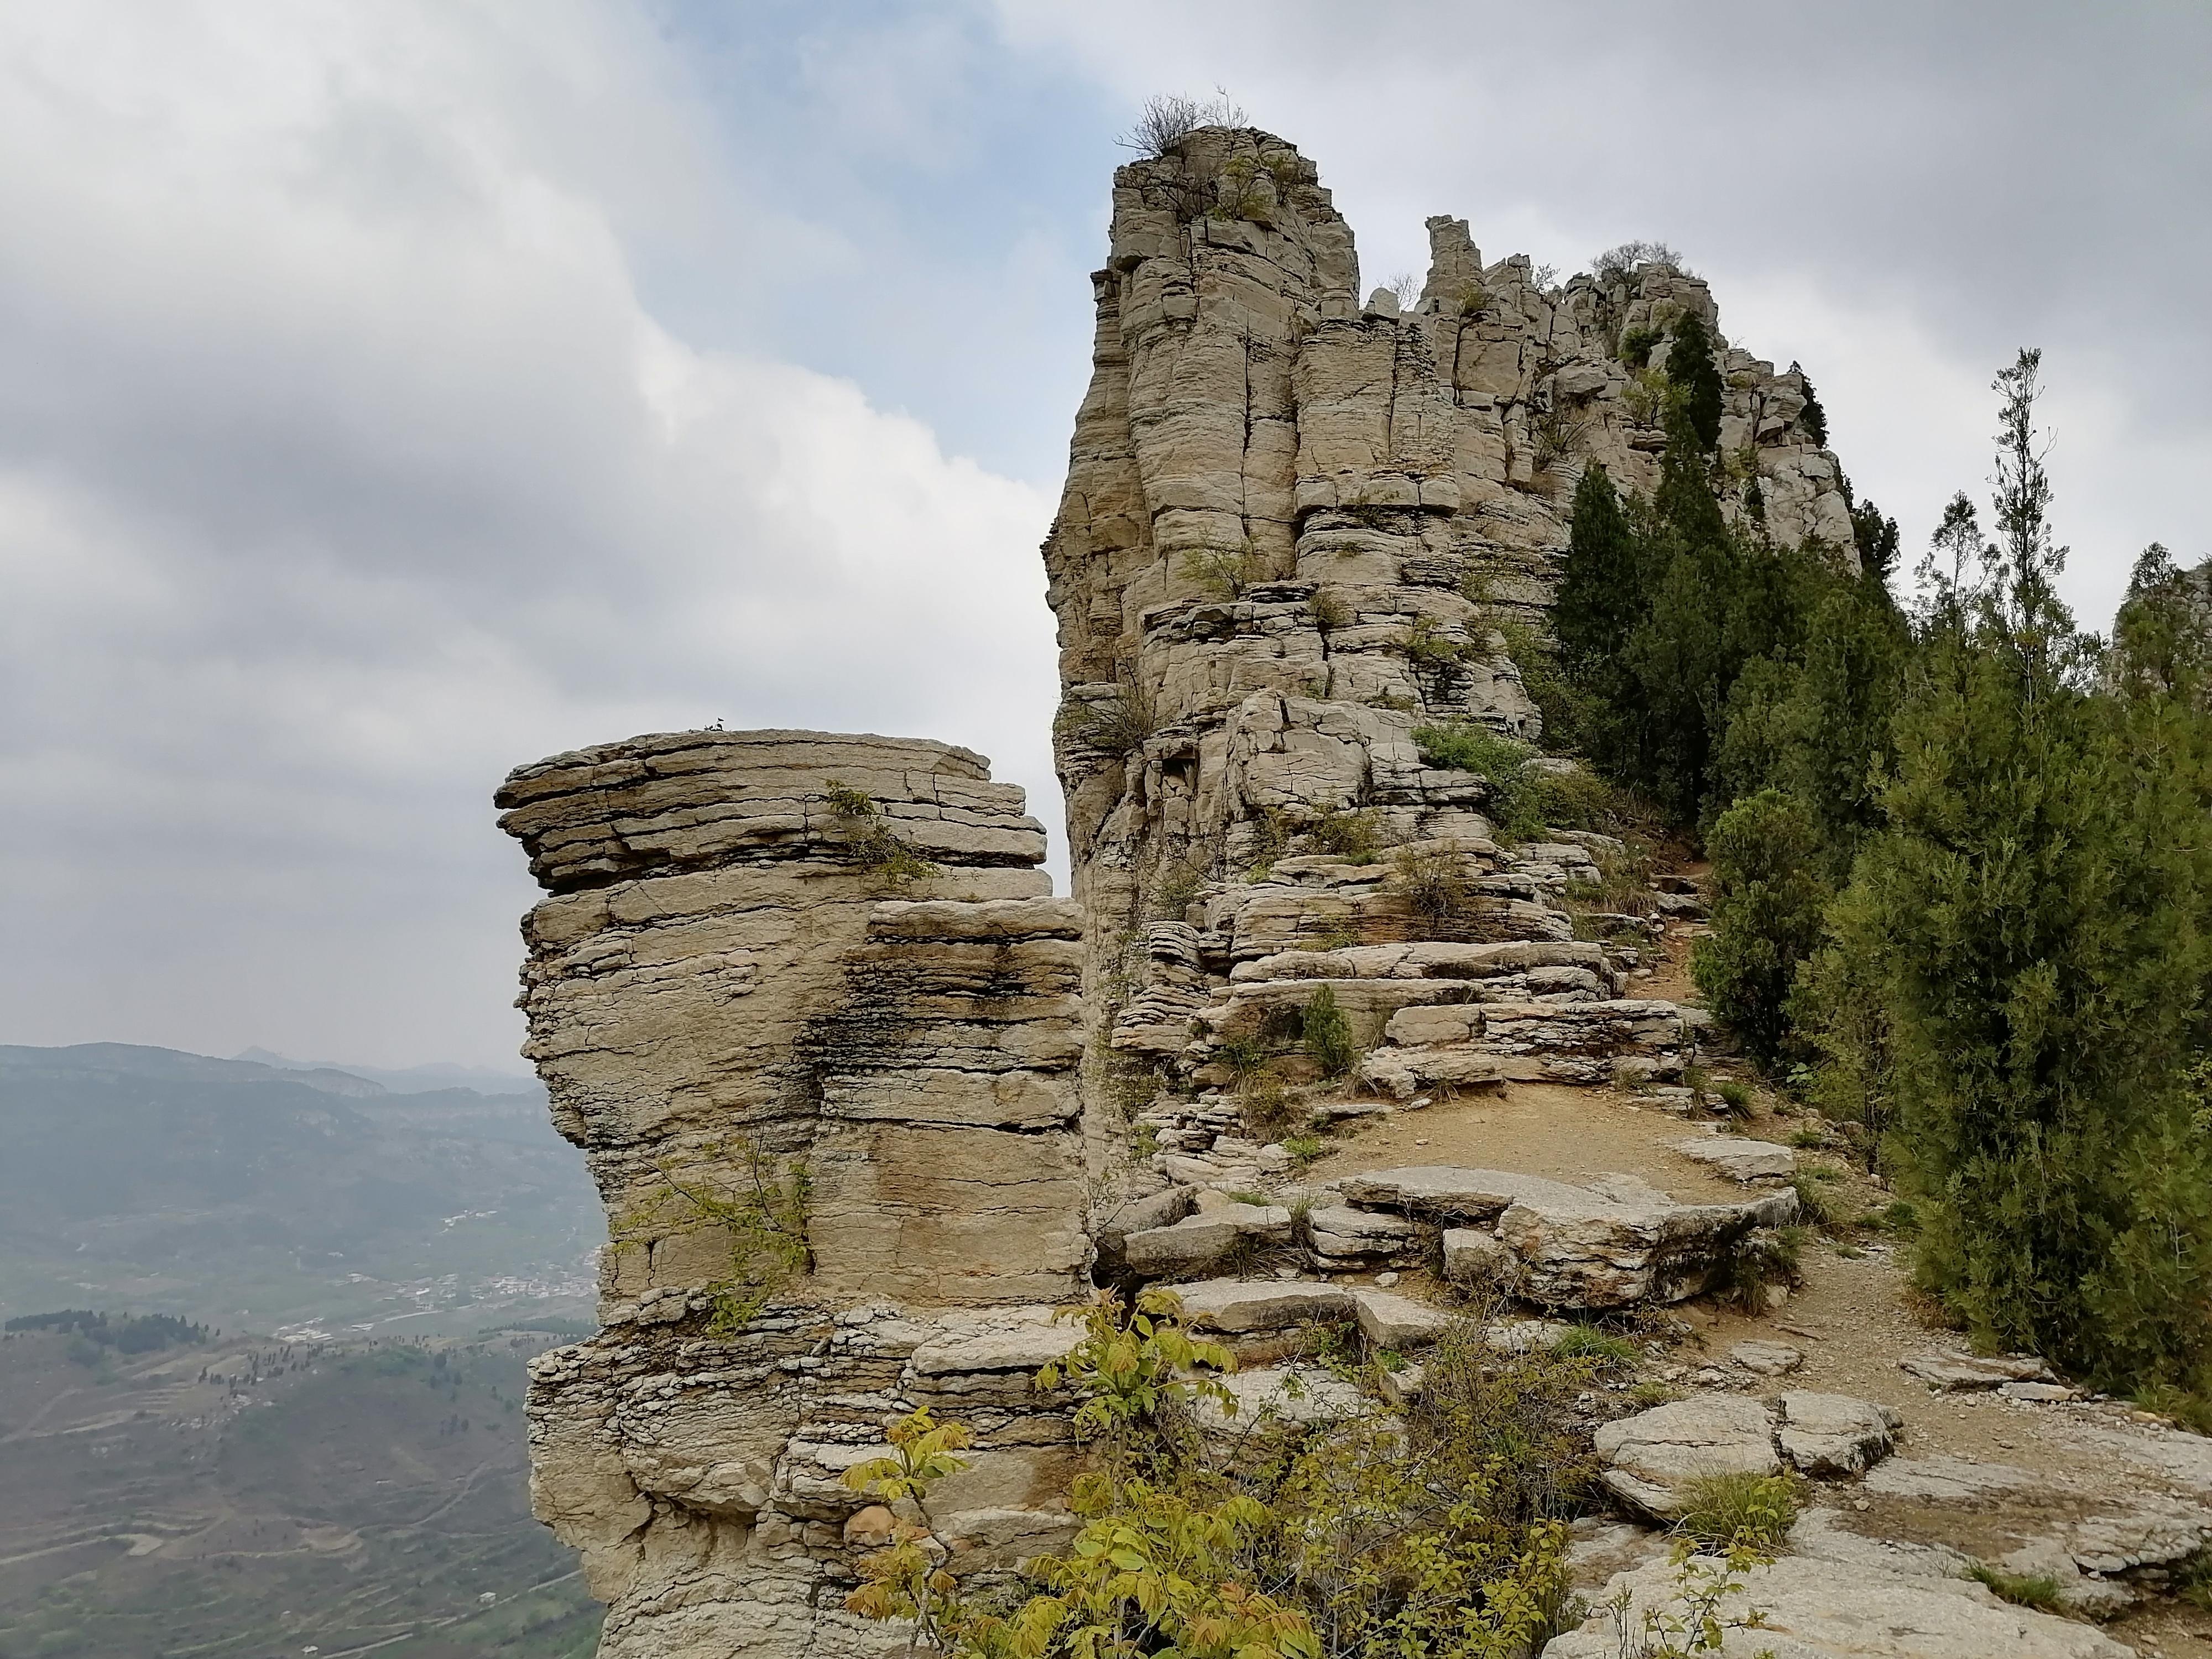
{"x": 393, "y": 391}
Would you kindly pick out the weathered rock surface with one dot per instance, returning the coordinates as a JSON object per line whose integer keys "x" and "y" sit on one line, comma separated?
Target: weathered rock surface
{"x": 1949, "y": 1371}
{"x": 1835, "y": 1435}
{"x": 1204, "y": 1240}
{"x": 770, "y": 950}
{"x": 1654, "y": 1455}
{"x": 1739, "y": 1159}
{"x": 1767, "y": 1358}
{"x": 1607, "y": 1244}
{"x": 1293, "y": 527}
{"x": 1811, "y": 1608}
{"x": 1240, "y": 1306}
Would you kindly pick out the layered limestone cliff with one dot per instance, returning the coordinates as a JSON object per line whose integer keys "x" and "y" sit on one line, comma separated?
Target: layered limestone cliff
{"x": 1293, "y": 526}
{"x": 742, "y": 970}
{"x": 868, "y": 1105}
{"x": 1377, "y": 483}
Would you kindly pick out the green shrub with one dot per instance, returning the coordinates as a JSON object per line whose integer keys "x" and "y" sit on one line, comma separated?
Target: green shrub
{"x": 868, "y": 836}
{"x": 1345, "y": 833}
{"x": 1120, "y": 725}
{"x": 1769, "y": 898}
{"x": 1814, "y": 1202}
{"x": 1636, "y": 345}
{"x": 1327, "y": 1037}
{"x": 1692, "y": 370}
{"x": 1740, "y": 1511}
{"x": 1433, "y": 880}
{"x": 1736, "y": 1098}
{"x": 1425, "y": 645}
{"x": 1524, "y": 801}
{"x": 1763, "y": 1258}
{"x": 1226, "y": 573}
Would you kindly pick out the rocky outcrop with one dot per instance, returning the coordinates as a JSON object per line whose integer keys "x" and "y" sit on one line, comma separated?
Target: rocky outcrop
{"x": 1296, "y": 531}
{"x": 806, "y": 1005}
{"x": 865, "y": 1103}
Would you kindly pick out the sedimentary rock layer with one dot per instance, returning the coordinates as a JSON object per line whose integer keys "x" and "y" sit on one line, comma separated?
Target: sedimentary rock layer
{"x": 769, "y": 959}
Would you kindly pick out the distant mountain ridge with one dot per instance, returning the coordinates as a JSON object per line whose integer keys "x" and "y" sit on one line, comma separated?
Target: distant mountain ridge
{"x": 406, "y": 1079}
{"x": 141, "y": 1061}
{"x": 157, "y": 1180}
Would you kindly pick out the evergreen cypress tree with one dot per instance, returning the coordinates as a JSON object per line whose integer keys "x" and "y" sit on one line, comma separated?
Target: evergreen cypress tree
{"x": 1695, "y": 378}
{"x": 1769, "y": 897}
{"x": 2162, "y": 637}
{"x": 1601, "y": 586}
{"x": 1812, "y": 417}
{"x": 2029, "y": 924}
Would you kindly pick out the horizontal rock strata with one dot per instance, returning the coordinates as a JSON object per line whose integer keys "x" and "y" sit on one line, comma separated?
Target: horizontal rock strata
{"x": 768, "y": 957}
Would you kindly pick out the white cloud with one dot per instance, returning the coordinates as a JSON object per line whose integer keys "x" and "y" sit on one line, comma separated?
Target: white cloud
{"x": 341, "y": 468}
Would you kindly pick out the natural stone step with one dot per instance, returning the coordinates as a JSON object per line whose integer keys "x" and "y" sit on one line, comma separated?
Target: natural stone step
{"x": 1613, "y": 1241}
{"x": 1591, "y": 1041}
{"x": 1653, "y": 1456}
{"x": 1242, "y": 1306}
{"x": 1390, "y": 1319}
{"x": 1343, "y": 1236}
{"x": 1738, "y": 1160}
{"x": 1949, "y": 1371}
{"x": 1200, "y": 1240}
{"x": 1834, "y": 1434}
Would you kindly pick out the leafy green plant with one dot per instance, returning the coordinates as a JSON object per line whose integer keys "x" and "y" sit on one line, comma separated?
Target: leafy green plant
{"x": 1326, "y": 1034}
{"x": 1345, "y": 832}
{"x": 1137, "y": 1369}
{"x": 1738, "y": 1511}
{"x": 1329, "y": 609}
{"x": 757, "y": 1201}
{"x": 1651, "y": 1391}
{"x": 870, "y": 839}
{"x": 1694, "y": 1621}
{"x": 1227, "y": 573}
{"x": 1305, "y": 1150}
{"x": 905, "y": 1580}
{"x": 1735, "y": 1097}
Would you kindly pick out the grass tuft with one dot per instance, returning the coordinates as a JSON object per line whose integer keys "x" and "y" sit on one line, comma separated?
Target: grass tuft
{"x": 1751, "y": 1512}
{"x": 2039, "y": 1591}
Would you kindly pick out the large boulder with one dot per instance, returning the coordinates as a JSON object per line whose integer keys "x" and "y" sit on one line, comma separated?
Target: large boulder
{"x": 1833, "y": 1434}
{"x": 1200, "y": 1241}
{"x": 1654, "y": 1456}
{"x": 1619, "y": 1241}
